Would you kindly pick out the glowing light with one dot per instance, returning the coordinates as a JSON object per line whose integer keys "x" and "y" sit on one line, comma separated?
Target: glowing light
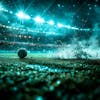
{"x": 70, "y": 27}
{"x": 38, "y": 19}
{"x": 1, "y": 7}
{"x": 22, "y": 15}
{"x": 60, "y": 25}
{"x": 67, "y": 26}
{"x": 74, "y": 28}
{"x": 51, "y": 22}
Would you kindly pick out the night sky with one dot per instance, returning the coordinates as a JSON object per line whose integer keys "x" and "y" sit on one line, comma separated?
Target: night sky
{"x": 84, "y": 13}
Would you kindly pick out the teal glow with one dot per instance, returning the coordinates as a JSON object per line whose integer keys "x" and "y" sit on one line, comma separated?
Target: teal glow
{"x": 1, "y": 7}
{"x": 51, "y": 22}
{"x": 22, "y": 15}
{"x": 60, "y": 25}
{"x": 38, "y": 19}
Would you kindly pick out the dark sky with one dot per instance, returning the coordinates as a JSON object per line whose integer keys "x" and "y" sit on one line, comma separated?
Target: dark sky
{"x": 84, "y": 13}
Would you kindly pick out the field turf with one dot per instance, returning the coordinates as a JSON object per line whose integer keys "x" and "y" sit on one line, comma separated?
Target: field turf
{"x": 42, "y": 77}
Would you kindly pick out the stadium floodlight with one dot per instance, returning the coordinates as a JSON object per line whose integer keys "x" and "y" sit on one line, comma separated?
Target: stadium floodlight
{"x": 60, "y": 25}
{"x": 1, "y": 7}
{"x": 51, "y": 22}
{"x": 22, "y": 15}
{"x": 74, "y": 28}
{"x": 38, "y": 19}
{"x": 67, "y": 26}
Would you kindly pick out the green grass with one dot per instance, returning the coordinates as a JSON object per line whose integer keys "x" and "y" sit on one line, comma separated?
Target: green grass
{"x": 32, "y": 58}
{"x": 44, "y": 59}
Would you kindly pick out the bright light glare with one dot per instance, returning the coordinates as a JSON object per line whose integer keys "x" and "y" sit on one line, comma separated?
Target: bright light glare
{"x": 68, "y": 26}
{"x": 60, "y": 25}
{"x": 1, "y": 7}
{"x": 38, "y": 19}
{"x": 51, "y": 22}
{"x": 74, "y": 28}
{"x": 22, "y": 15}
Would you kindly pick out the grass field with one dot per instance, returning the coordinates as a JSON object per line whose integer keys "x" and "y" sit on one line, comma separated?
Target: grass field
{"x": 40, "y": 77}
{"x": 45, "y": 59}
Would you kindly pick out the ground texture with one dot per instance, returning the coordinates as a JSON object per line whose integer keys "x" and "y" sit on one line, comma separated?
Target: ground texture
{"x": 38, "y": 77}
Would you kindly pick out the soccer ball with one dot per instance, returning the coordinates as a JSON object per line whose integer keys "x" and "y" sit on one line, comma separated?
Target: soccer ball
{"x": 22, "y": 53}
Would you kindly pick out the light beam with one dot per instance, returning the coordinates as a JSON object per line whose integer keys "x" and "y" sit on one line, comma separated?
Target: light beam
{"x": 22, "y": 15}
{"x": 60, "y": 25}
{"x": 51, "y": 22}
{"x": 38, "y": 19}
